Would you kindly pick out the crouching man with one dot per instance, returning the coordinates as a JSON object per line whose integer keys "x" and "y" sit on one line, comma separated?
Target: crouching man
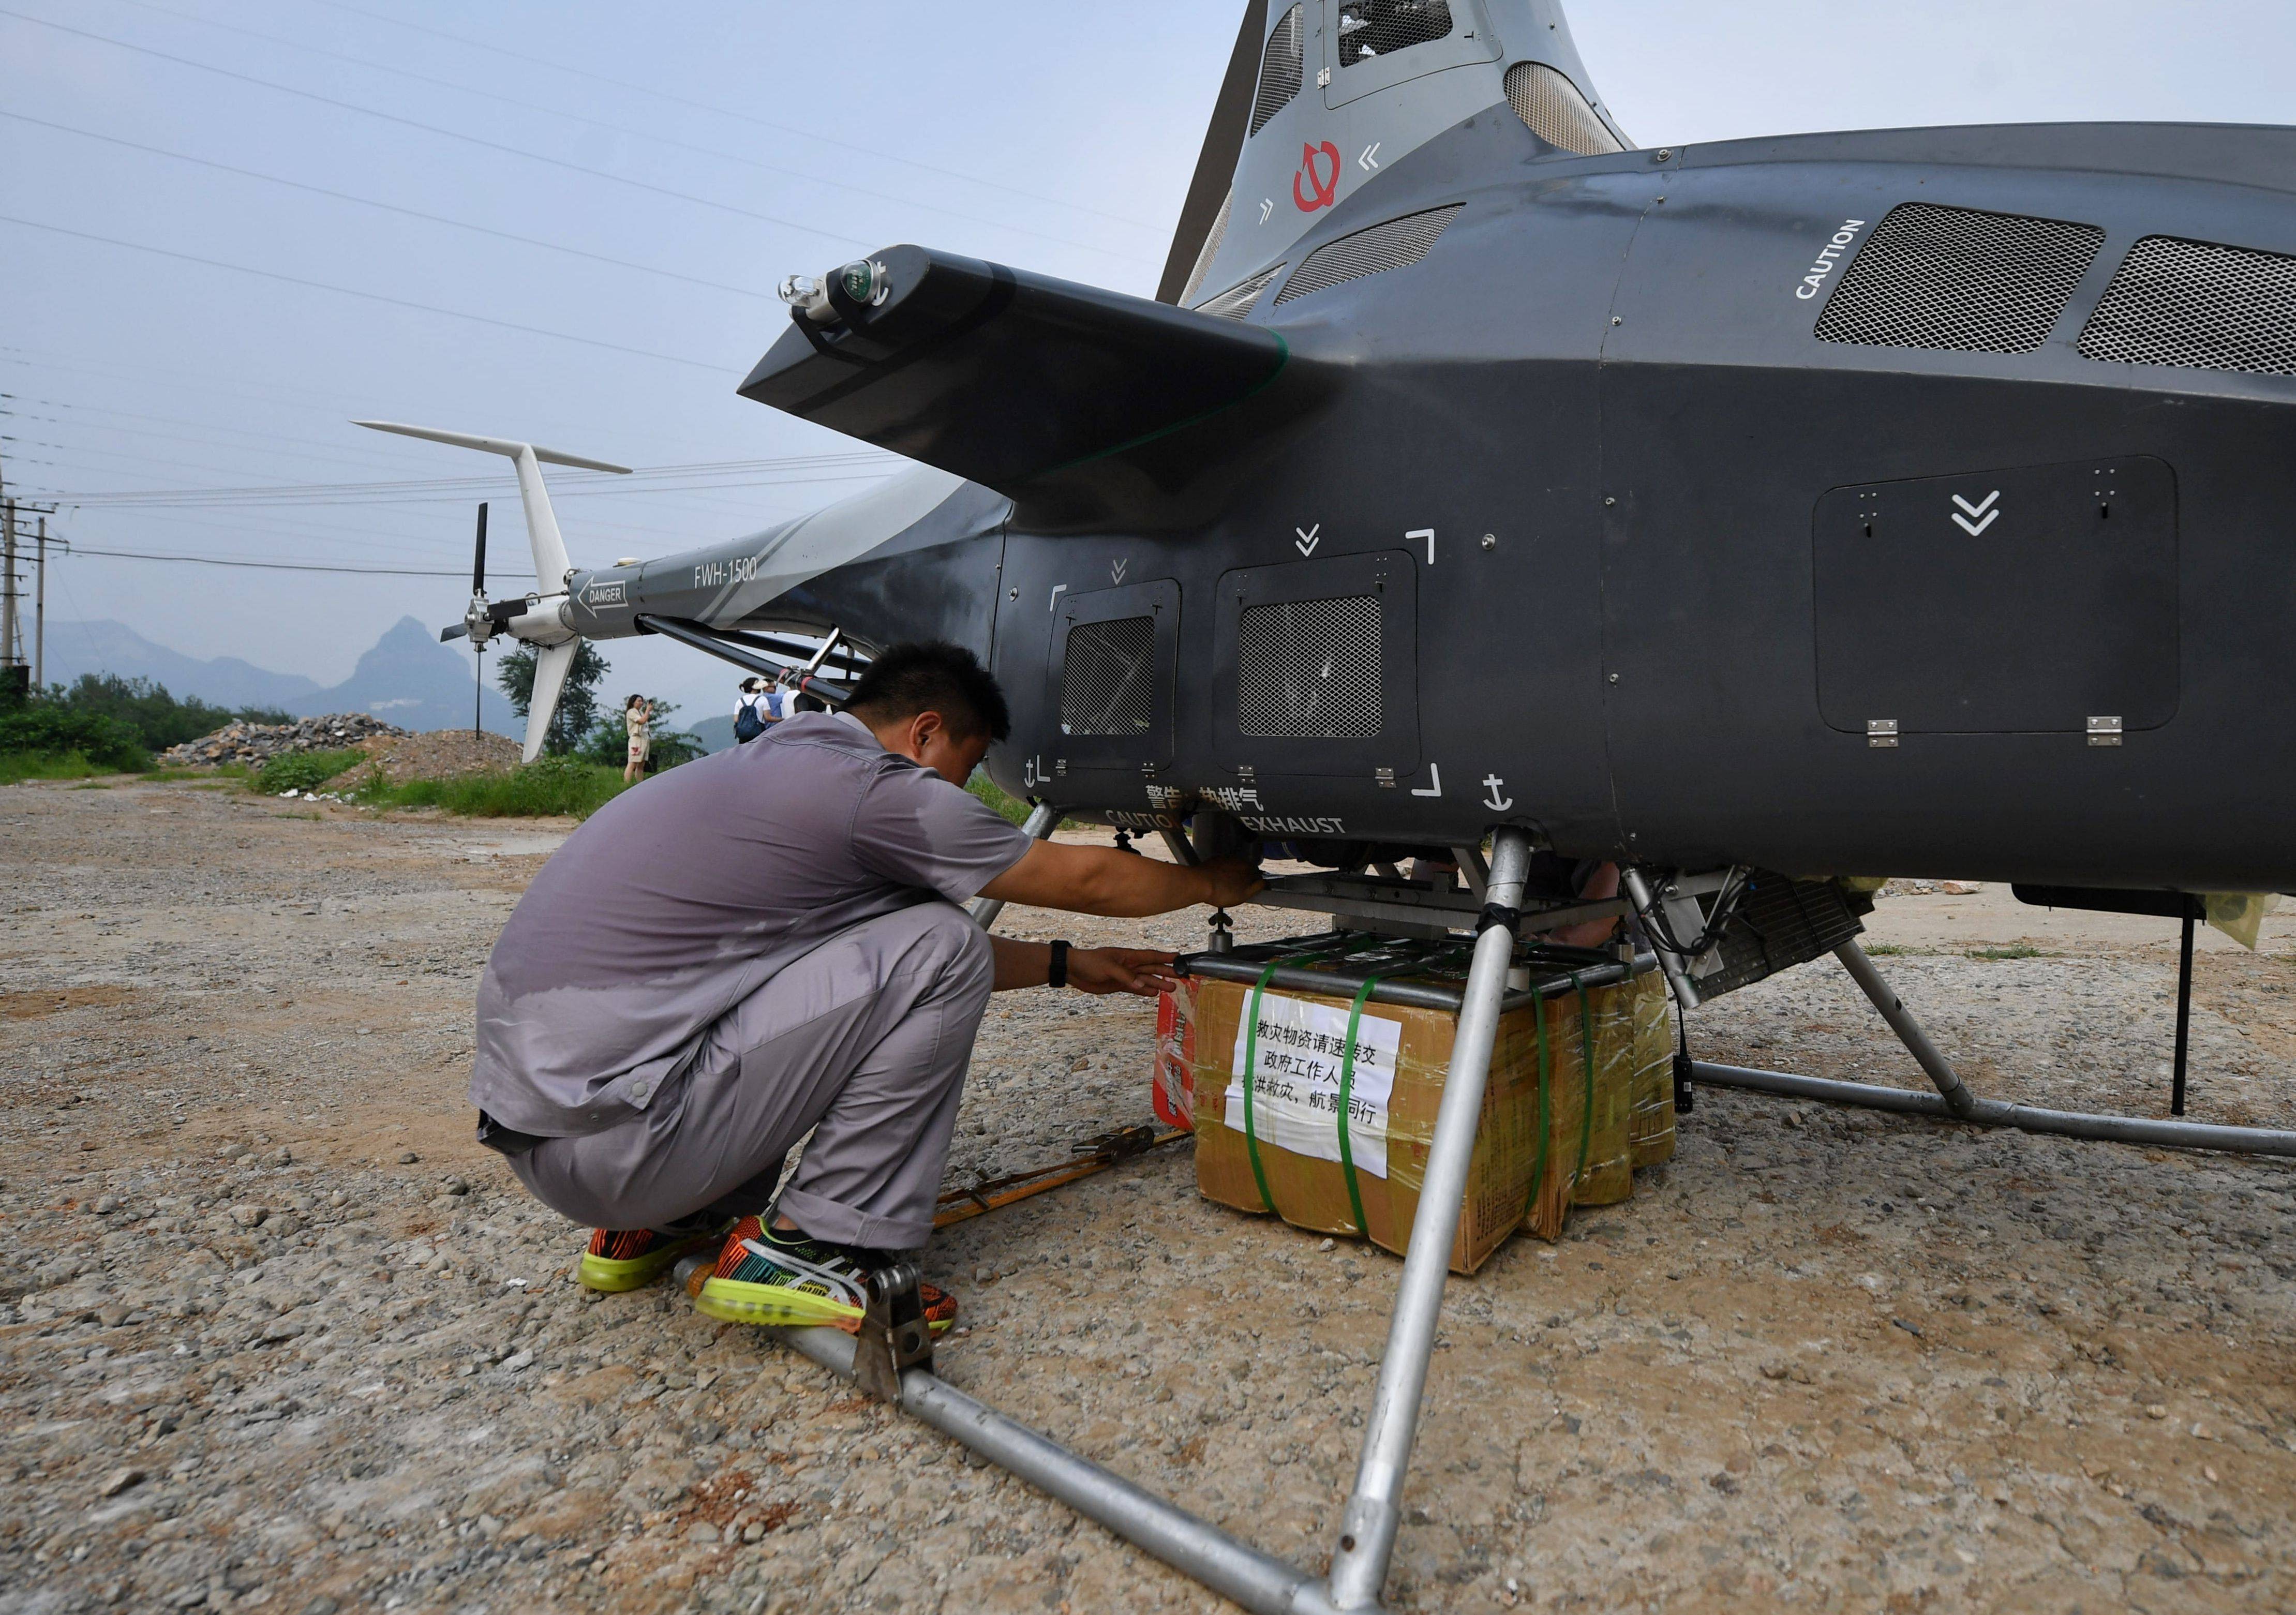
{"x": 767, "y": 943}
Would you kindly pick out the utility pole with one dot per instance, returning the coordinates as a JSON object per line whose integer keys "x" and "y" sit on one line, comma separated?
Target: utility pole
{"x": 9, "y": 640}
{"x": 40, "y": 614}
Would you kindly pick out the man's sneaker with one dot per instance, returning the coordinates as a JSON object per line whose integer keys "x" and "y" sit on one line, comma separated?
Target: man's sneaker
{"x": 768, "y": 1276}
{"x": 623, "y": 1259}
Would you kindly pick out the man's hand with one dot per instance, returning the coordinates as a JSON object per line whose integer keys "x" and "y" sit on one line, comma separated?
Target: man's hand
{"x": 1232, "y": 880}
{"x": 1144, "y": 971}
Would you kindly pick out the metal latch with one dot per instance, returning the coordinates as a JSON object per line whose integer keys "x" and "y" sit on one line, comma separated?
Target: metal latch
{"x": 2104, "y": 732}
{"x": 894, "y": 1336}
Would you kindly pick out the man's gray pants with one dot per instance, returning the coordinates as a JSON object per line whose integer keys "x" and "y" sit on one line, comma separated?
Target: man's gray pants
{"x": 865, "y": 1041}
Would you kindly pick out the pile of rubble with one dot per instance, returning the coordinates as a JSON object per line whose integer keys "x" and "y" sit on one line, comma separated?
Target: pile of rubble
{"x": 256, "y": 744}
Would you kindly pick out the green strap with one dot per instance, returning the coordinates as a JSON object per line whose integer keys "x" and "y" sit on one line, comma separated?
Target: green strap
{"x": 1586, "y": 1058}
{"x": 1250, "y": 1058}
{"x": 1347, "y": 1092}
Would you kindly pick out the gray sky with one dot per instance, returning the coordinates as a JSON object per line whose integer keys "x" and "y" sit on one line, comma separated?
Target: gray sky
{"x": 1055, "y": 136}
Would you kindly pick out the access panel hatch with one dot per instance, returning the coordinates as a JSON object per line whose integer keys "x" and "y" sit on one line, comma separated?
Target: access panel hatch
{"x": 2029, "y": 600}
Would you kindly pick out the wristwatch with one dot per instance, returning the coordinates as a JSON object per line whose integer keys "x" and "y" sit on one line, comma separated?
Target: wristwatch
{"x": 1059, "y": 976}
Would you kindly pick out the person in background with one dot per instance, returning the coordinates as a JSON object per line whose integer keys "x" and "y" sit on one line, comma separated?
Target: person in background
{"x": 638, "y": 718}
{"x": 759, "y": 709}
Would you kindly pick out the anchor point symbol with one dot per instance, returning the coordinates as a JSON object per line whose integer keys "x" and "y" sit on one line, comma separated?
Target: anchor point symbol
{"x": 1494, "y": 801}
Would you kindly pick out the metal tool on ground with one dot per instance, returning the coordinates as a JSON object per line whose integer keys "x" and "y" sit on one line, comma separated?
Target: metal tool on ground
{"x": 1093, "y": 1155}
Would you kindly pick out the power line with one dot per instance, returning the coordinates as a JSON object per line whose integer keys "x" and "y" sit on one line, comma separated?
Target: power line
{"x": 372, "y": 296}
{"x": 265, "y": 566}
{"x": 599, "y": 123}
{"x": 368, "y": 202}
{"x": 429, "y": 128}
{"x": 762, "y": 123}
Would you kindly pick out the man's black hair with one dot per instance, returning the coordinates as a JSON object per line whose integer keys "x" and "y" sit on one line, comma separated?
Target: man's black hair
{"x": 933, "y": 675}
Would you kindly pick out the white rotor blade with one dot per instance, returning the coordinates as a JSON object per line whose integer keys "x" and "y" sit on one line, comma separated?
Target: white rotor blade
{"x": 551, "y": 665}
{"x": 542, "y": 535}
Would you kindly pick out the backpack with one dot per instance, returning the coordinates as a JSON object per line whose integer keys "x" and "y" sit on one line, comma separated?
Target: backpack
{"x": 747, "y": 725}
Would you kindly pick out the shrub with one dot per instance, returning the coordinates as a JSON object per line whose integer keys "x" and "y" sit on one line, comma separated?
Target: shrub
{"x": 46, "y": 727}
{"x": 549, "y": 785}
{"x": 16, "y": 766}
{"x": 302, "y": 771}
{"x": 991, "y": 792}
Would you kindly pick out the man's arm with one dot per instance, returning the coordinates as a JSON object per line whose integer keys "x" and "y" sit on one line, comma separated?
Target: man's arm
{"x": 1144, "y": 971}
{"x": 1123, "y": 885}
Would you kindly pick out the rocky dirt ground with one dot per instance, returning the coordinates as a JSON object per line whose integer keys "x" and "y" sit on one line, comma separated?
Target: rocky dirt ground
{"x": 274, "y": 1333}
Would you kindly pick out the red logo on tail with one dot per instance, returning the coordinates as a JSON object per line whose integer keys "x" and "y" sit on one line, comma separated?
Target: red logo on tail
{"x": 1326, "y": 191}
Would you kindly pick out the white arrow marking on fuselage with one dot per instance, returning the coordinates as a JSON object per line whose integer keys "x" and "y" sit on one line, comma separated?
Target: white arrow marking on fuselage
{"x": 1116, "y": 568}
{"x": 1434, "y": 783}
{"x": 1983, "y": 507}
{"x": 1307, "y": 540}
{"x": 1368, "y": 162}
{"x": 1266, "y": 206}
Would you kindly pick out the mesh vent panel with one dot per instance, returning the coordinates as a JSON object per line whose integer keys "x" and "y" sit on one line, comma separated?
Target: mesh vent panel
{"x": 1309, "y": 669}
{"x": 1279, "y": 70}
{"x": 1210, "y": 250}
{"x": 1389, "y": 246}
{"x": 1380, "y": 27}
{"x": 1108, "y": 683}
{"x": 1555, "y": 111}
{"x": 1236, "y": 302}
{"x": 2178, "y": 302}
{"x": 1959, "y": 280}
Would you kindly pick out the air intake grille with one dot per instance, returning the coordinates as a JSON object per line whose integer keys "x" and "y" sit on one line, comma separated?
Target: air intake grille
{"x": 1555, "y": 111}
{"x": 1959, "y": 280}
{"x": 1108, "y": 683}
{"x": 1279, "y": 70}
{"x": 1236, "y": 302}
{"x": 2176, "y": 302}
{"x": 1210, "y": 250}
{"x": 1309, "y": 669}
{"x": 1380, "y": 27}
{"x": 1389, "y": 246}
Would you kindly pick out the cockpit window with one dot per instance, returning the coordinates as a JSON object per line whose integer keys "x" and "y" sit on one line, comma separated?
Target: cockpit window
{"x": 1380, "y": 27}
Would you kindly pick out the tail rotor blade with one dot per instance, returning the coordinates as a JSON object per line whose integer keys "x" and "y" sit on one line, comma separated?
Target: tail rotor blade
{"x": 479, "y": 560}
{"x": 551, "y": 665}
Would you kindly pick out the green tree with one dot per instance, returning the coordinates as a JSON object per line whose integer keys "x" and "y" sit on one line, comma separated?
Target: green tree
{"x": 578, "y": 703}
{"x": 160, "y": 720}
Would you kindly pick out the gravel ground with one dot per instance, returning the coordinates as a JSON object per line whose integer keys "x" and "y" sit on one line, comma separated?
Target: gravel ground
{"x": 274, "y": 1333}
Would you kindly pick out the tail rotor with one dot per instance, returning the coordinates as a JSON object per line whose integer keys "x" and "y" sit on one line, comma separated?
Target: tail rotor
{"x": 540, "y": 618}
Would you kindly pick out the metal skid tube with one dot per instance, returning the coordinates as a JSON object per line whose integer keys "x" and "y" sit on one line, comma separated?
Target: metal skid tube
{"x": 1201, "y": 1551}
{"x": 1953, "y": 1100}
{"x": 1367, "y": 1524}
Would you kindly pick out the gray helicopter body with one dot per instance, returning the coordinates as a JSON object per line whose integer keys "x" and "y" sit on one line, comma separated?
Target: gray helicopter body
{"x": 1910, "y": 501}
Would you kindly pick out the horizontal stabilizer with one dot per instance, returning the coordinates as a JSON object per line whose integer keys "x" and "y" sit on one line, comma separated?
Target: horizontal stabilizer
{"x": 1000, "y": 376}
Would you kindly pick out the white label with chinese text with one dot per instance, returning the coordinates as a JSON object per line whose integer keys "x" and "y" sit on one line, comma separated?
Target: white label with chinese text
{"x": 1295, "y": 1080}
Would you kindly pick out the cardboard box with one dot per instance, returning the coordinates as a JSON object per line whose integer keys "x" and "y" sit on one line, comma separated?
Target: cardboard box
{"x": 1651, "y": 1126}
{"x": 1395, "y": 1088}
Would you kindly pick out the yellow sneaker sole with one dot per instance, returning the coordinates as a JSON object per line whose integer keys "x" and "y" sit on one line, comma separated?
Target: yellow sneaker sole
{"x": 732, "y": 1301}
{"x": 604, "y": 1274}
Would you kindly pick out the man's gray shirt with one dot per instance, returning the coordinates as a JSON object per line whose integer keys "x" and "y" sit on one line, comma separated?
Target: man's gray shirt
{"x": 678, "y": 899}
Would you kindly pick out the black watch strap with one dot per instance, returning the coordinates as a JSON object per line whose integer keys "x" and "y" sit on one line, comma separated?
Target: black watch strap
{"x": 1059, "y": 976}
